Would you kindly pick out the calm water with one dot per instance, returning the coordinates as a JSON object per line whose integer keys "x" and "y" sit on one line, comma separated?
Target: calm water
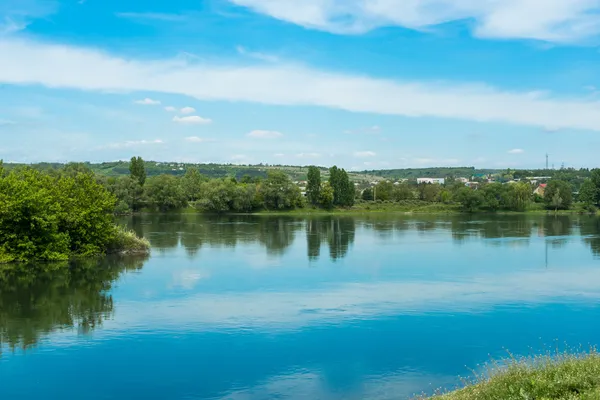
{"x": 287, "y": 308}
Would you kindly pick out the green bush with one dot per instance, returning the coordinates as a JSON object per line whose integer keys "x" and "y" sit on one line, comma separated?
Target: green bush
{"x": 53, "y": 217}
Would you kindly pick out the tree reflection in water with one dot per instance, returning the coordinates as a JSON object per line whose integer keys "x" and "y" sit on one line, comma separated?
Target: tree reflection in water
{"x": 36, "y": 300}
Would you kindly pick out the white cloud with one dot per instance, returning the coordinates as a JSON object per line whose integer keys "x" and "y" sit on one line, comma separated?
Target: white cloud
{"x": 170, "y": 109}
{"x": 192, "y": 119}
{"x": 282, "y": 84}
{"x": 150, "y": 16}
{"x": 196, "y": 139}
{"x": 278, "y": 155}
{"x": 547, "y": 20}
{"x": 187, "y": 110}
{"x": 132, "y": 143}
{"x": 308, "y": 155}
{"x": 365, "y": 154}
{"x": 259, "y": 56}
{"x": 148, "y": 102}
{"x": 262, "y": 134}
{"x": 516, "y": 151}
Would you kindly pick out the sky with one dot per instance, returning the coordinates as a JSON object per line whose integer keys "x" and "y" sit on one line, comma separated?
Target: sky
{"x": 363, "y": 84}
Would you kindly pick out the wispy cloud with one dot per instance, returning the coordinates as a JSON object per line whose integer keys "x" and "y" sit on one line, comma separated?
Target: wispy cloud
{"x": 192, "y": 120}
{"x": 16, "y": 15}
{"x": 257, "y": 55}
{"x": 132, "y": 143}
{"x": 516, "y": 151}
{"x": 5, "y": 122}
{"x": 150, "y": 16}
{"x": 262, "y": 134}
{"x": 170, "y": 109}
{"x": 546, "y": 20}
{"x": 285, "y": 84}
{"x": 147, "y": 102}
{"x": 197, "y": 139}
{"x": 365, "y": 154}
{"x": 187, "y": 110}
{"x": 370, "y": 130}
{"x": 308, "y": 155}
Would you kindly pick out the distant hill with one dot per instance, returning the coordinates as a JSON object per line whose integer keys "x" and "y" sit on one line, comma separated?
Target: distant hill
{"x": 440, "y": 172}
{"x": 299, "y": 173}
{"x": 153, "y": 168}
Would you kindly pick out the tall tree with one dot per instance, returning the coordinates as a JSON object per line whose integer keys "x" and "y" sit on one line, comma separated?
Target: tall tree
{"x": 588, "y": 193}
{"x": 313, "y": 187}
{"x": 558, "y": 195}
{"x": 326, "y": 196}
{"x": 137, "y": 170}
{"x": 343, "y": 189}
{"x": 192, "y": 183}
{"x": 335, "y": 182}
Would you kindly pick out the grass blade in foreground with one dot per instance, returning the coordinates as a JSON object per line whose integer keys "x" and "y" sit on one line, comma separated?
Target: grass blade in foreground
{"x": 567, "y": 377}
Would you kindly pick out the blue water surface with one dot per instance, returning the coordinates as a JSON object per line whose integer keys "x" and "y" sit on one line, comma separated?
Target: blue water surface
{"x": 372, "y": 307}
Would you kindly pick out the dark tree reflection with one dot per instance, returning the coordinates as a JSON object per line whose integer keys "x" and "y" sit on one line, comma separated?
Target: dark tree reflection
{"x": 36, "y": 300}
{"x": 337, "y": 232}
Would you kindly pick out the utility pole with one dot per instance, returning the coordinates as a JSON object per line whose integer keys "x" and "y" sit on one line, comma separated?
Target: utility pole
{"x": 546, "y": 161}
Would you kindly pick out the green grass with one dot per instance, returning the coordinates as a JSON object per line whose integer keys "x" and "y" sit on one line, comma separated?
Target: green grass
{"x": 562, "y": 377}
{"x": 128, "y": 242}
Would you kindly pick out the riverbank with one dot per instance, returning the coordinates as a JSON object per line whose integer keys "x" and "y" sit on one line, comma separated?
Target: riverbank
{"x": 407, "y": 207}
{"x": 123, "y": 242}
{"x": 568, "y": 377}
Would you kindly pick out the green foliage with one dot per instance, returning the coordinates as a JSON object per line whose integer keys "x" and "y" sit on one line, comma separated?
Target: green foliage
{"x": 343, "y": 189}
{"x": 494, "y": 196}
{"x": 137, "y": 170}
{"x": 471, "y": 200}
{"x": 326, "y": 196}
{"x": 30, "y": 218}
{"x": 589, "y": 192}
{"x": 166, "y": 193}
{"x": 279, "y": 192}
{"x": 217, "y": 196}
{"x": 558, "y": 195}
{"x": 429, "y": 192}
{"x": 567, "y": 377}
{"x": 245, "y": 198}
{"x": 192, "y": 184}
{"x": 518, "y": 196}
{"x": 403, "y": 191}
{"x": 383, "y": 191}
{"x": 128, "y": 192}
{"x": 367, "y": 194}
{"x": 51, "y": 217}
{"x": 313, "y": 187}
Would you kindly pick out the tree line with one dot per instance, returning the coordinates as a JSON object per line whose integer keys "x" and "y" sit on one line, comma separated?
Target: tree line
{"x": 275, "y": 192}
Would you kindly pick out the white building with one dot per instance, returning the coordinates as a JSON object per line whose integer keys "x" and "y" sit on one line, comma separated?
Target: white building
{"x": 439, "y": 181}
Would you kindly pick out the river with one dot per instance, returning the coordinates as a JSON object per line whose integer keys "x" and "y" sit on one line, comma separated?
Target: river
{"x": 249, "y": 307}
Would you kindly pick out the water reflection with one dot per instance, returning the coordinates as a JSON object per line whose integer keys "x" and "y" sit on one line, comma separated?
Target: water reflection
{"x": 205, "y": 319}
{"x": 36, "y": 300}
{"x": 338, "y": 233}
{"x": 277, "y": 234}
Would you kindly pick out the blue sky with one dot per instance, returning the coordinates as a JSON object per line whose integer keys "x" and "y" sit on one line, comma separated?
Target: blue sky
{"x": 365, "y": 84}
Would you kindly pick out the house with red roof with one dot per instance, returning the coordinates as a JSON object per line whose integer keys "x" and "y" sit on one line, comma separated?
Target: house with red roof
{"x": 540, "y": 190}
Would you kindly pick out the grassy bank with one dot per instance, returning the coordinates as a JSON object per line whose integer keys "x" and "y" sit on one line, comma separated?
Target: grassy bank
{"x": 127, "y": 242}
{"x": 566, "y": 377}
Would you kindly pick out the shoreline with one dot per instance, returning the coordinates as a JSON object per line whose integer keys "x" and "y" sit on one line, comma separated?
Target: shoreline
{"x": 562, "y": 376}
{"x": 436, "y": 210}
